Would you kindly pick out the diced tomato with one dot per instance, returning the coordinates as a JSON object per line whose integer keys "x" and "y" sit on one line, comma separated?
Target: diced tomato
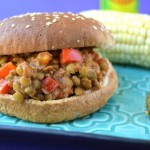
{"x": 49, "y": 84}
{"x": 70, "y": 56}
{"x": 4, "y": 71}
{"x": 4, "y": 87}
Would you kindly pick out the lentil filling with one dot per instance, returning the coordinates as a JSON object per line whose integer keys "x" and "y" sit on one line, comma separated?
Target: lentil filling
{"x": 51, "y": 75}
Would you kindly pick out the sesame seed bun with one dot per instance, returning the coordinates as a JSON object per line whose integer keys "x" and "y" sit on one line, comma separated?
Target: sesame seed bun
{"x": 44, "y": 31}
{"x": 41, "y": 32}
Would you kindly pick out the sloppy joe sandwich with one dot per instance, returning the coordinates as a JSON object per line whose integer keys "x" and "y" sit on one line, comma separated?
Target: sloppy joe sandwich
{"x": 48, "y": 70}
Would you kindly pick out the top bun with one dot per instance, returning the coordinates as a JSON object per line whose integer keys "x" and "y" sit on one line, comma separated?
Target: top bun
{"x": 44, "y": 31}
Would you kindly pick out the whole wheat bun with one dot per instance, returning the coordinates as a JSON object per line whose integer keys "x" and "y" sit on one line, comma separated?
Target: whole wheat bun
{"x": 41, "y": 32}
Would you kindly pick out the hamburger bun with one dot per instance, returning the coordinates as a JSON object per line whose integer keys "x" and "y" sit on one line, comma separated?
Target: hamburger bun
{"x": 45, "y": 32}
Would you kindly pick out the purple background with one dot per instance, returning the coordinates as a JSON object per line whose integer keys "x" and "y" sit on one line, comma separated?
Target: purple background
{"x": 9, "y": 8}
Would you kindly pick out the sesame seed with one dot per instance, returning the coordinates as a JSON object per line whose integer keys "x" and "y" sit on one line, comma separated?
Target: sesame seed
{"x": 20, "y": 16}
{"x": 54, "y": 20}
{"x": 77, "y": 16}
{"x": 66, "y": 16}
{"x": 95, "y": 27}
{"x": 47, "y": 15}
{"x": 73, "y": 19}
{"x": 47, "y": 18}
{"x": 13, "y": 25}
{"x": 57, "y": 17}
{"x": 32, "y": 15}
{"x": 28, "y": 26}
{"x": 82, "y": 18}
{"x": 48, "y": 23}
{"x": 103, "y": 26}
{"x": 33, "y": 18}
{"x": 78, "y": 41}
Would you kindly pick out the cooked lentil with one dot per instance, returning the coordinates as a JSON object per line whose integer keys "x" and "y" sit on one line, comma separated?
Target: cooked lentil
{"x": 86, "y": 83}
{"x": 79, "y": 91}
{"x": 71, "y": 79}
{"x": 3, "y": 60}
{"x": 18, "y": 97}
{"x": 75, "y": 80}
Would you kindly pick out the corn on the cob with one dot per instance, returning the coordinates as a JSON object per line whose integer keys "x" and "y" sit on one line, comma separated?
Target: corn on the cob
{"x": 132, "y": 35}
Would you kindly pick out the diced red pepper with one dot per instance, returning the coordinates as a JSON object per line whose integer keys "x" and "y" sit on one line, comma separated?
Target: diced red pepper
{"x": 49, "y": 84}
{"x": 70, "y": 56}
{"x": 4, "y": 87}
{"x": 4, "y": 71}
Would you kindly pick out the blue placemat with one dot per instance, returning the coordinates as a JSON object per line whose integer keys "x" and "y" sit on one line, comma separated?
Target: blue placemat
{"x": 123, "y": 116}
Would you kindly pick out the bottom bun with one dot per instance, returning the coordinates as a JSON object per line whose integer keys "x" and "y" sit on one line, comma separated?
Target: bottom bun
{"x": 53, "y": 111}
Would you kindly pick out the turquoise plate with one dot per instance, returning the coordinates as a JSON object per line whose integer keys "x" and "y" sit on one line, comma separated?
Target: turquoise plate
{"x": 123, "y": 116}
